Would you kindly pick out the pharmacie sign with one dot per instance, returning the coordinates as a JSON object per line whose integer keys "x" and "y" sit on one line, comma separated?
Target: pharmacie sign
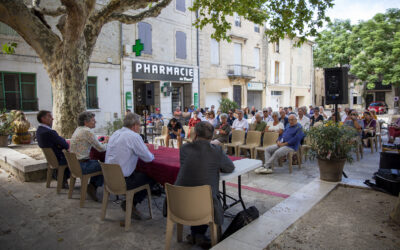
{"x": 162, "y": 72}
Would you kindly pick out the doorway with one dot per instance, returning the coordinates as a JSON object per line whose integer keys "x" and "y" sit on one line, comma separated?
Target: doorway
{"x": 369, "y": 99}
{"x": 254, "y": 98}
{"x": 237, "y": 95}
{"x": 181, "y": 95}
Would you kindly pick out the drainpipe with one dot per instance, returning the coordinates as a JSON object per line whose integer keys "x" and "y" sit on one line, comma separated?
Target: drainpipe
{"x": 312, "y": 77}
{"x": 266, "y": 67}
{"x": 198, "y": 61}
{"x": 121, "y": 70}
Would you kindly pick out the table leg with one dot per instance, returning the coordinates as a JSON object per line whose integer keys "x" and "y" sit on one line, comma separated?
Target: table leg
{"x": 240, "y": 191}
{"x": 224, "y": 205}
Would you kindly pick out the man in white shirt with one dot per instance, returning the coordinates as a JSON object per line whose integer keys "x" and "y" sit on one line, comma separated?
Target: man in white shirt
{"x": 124, "y": 148}
{"x": 303, "y": 120}
{"x": 240, "y": 123}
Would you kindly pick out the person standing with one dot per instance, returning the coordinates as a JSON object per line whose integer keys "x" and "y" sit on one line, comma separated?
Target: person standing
{"x": 82, "y": 141}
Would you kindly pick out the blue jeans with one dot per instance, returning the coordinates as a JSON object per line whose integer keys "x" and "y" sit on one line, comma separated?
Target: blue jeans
{"x": 92, "y": 166}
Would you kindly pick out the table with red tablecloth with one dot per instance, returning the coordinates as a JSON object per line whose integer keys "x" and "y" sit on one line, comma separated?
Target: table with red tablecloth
{"x": 164, "y": 168}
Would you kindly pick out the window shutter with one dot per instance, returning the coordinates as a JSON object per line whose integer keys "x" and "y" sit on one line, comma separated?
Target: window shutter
{"x": 180, "y": 45}
{"x": 180, "y": 5}
{"x": 145, "y": 37}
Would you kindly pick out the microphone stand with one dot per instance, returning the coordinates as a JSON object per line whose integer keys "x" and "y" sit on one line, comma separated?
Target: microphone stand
{"x": 145, "y": 125}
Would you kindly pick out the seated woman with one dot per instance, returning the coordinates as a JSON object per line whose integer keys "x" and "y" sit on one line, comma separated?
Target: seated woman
{"x": 175, "y": 131}
{"x": 369, "y": 128}
{"x": 221, "y": 132}
{"x": 211, "y": 119}
{"x": 275, "y": 125}
{"x": 178, "y": 113}
{"x": 394, "y": 131}
{"x": 193, "y": 121}
{"x": 186, "y": 115}
{"x": 333, "y": 117}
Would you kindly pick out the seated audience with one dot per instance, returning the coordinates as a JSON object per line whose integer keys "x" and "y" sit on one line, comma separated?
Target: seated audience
{"x": 82, "y": 141}
{"x": 302, "y": 119}
{"x": 373, "y": 114}
{"x": 175, "y": 131}
{"x": 290, "y": 111}
{"x": 353, "y": 121}
{"x": 222, "y": 131}
{"x": 316, "y": 117}
{"x": 267, "y": 115}
{"x": 289, "y": 141}
{"x": 186, "y": 115}
{"x": 211, "y": 119}
{"x": 259, "y": 124}
{"x": 311, "y": 111}
{"x": 157, "y": 116}
{"x": 240, "y": 123}
{"x": 178, "y": 113}
{"x": 275, "y": 125}
{"x": 394, "y": 131}
{"x": 193, "y": 121}
{"x": 346, "y": 114}
{"x": 219, "y": 112}
{"x": 197, "y": 170}
{"x": 333, "y": 117}
{"x": 369, "y": 128}
{"x": 322, "y": 112}
{"x": 125, "y": 147}
{"x": 253, "y": 111}
{"x": 49, "y": 138}
{"x": 283, "y": 118}
{"x": 231, "y": 117}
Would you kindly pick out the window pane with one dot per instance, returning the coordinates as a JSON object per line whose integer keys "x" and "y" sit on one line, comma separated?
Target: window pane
{"x": 11, "y": 82}
{"x": 12, "y": 101}
{"x": 145, "y": 37}
{"x": 180, "y": 38}
{"x": 92, "y": 80}
{"x": 29, "y": 106}
{"x": 214, "y": 52}
{"x": 180, "y": 5}
{"x": 92, "y": 97}
{"x": 28, "y": 78}
{"x": 28, "y": 91}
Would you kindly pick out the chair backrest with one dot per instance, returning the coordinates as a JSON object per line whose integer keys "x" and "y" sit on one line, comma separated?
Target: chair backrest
{"x": 252, "y": 126}
{"x": 270, "y": 138}
{"x": 190, "y": 205}
{"x": 192, "y": 134}
{"x": 50, "y": 157}
{"x": 113, "y": 178}
{"x": 253, "y": 138}
{"x": 73, "y": 164}
{"x": 238, "y": 136}
{"x": 186, "y": 129}
{"x": 164, "y": 130}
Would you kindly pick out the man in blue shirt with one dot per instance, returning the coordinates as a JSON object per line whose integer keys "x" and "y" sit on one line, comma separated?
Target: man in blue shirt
{"x": 289, "y": 141}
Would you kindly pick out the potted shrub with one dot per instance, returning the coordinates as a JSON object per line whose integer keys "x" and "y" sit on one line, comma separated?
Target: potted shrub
{"x": 6, "y": 127}
{"x": 332, "y": 144}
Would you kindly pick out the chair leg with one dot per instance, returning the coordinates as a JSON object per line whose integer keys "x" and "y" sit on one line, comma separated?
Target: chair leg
{"x": 290, "y": 156}
{"x": 214, "y": 234}
{"x": 72, "y": 181}
{"x": 128, "y": 210}
{"x": 168, "y": 234}
{"x": 371, "y": 143}
{"x": 380, "y": 141}
{"x": 106, "y": 194}
{"x": 299, "y": 159}
{"x": 84, "y": 183}
{"x": 149, "y": 200}
{"x": 179, "y": 232}
{"x": 60, "y": 178}
{"x": 48, "y": 178}
{"x": 376, "y": 144}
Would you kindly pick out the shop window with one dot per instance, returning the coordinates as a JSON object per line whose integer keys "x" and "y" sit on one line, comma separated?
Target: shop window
{"x": 18, "y": 91}
{"x": 180, "y": 38}
{"x": 181, "y": 5}
{"x": 91, "y": 93}
{"x": 214, "y": 52}
{"x": 144, "y": 30}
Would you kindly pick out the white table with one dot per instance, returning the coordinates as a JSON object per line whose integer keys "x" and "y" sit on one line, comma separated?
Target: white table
{"x": 241, "y": 167}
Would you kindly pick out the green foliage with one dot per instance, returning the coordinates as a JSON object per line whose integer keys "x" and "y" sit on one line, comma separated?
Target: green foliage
{"x": 111, "y": 127}
{"x": 225, "y": 105}
{"x": 371, "y": 48}
{"x": 9, "y": 48}
{"x": 290, "y": 18}
{"x": 6, "y": 123}
{"x": 332, "y": 141}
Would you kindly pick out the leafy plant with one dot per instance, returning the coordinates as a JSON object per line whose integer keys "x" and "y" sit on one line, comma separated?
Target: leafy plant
{"x": 333, "y": 141}
{"x": 225, "y": 105}
{"x": 6, "y": 123}
{"x": 111, "y": 127}
{"x": 9, "y": 48}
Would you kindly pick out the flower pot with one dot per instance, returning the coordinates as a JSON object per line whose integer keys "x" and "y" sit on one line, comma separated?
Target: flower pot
{"x": 3, "y": 140}
{"x": 331, "y": 170}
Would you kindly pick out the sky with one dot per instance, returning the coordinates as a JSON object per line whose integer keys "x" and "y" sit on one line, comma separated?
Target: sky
{"x": 356, "y": 10}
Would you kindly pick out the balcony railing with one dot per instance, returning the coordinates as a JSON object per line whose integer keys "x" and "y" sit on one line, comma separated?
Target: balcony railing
{"x": 241, "y": 71}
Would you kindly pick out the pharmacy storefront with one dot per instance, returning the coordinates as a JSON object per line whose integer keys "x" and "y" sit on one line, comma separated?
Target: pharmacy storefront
{"x": 159, "y": 85}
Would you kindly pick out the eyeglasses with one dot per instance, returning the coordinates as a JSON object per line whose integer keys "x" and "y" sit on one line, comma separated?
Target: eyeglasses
{"x": 265, "y": 111}
{"x": 354, "y": 114}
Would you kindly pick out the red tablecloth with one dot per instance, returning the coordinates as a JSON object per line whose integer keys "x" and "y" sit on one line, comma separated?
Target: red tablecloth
{"x": 164, "y": 168}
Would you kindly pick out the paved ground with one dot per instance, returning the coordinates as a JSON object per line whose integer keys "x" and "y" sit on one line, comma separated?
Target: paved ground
{"x": 354, "y": 218}
{"x": 35, "y": 217}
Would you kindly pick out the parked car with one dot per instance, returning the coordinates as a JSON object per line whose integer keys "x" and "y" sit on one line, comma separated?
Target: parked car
{"x": 379, "y": 107}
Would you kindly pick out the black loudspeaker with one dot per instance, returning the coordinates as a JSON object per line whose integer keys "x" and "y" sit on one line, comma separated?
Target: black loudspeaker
{"x": 149, "y": 94}
{"x": 336, "y": 86}
{"x": 140, "y": 95}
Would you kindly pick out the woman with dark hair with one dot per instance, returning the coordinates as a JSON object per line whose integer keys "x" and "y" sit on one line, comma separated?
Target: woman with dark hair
{"x": 369, "y": 128}
{"x": 193, "y": 121}
{"x": 186, "y": 115}
{"x": 246, "y": 113}
{"x": 333, "y": 117}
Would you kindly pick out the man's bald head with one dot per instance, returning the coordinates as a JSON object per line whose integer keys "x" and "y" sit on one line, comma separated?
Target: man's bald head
{"x": 292, "y": 120}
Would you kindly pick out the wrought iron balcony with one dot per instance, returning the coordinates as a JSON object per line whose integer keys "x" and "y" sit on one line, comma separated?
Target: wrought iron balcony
{"x": 241, "y": 71}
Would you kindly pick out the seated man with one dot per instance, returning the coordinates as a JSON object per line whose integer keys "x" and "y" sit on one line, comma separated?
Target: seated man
{"x": 240, "y": 123}
{"x": 289, "y": 141}
{"x": 222, "y": 131}
{"x": 82, "y": 141}
{"x": 49, "y": 138}
{"x": 175, "y": 131}
{"x": 125, "y": 147}
{"x": 157, "y": 116}
{"x": 197, "y": 170}
{"x": 259, "y": 124}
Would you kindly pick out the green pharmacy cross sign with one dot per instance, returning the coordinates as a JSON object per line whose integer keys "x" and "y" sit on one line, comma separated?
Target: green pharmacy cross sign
{"x": 138, "y": 47}
{"x": 166, "y": 88}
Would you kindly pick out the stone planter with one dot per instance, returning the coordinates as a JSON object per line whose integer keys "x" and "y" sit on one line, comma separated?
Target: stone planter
{"x": 3, "y": 140}
{"x": 331, "y": 170}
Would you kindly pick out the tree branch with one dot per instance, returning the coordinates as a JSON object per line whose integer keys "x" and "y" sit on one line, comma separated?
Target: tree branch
{"x": 54, "y": 13}
{"x": 130, "y": 19}
{"x": 18, "y": 16}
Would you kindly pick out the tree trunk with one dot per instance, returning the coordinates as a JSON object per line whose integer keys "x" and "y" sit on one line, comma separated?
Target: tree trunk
{"x": 68, "y": 79}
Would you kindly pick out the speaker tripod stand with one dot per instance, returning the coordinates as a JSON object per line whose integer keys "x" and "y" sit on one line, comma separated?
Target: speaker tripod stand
{"x": 337, "y": 121}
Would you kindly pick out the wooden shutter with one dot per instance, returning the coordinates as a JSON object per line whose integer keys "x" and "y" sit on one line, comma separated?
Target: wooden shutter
{"x": 180, "y": 5}
{"x": 180, "y": 38}
{"x": 145, "y": 37}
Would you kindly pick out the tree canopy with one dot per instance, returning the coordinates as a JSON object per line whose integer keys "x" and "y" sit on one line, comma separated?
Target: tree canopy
{"x": 371, "y": 48}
